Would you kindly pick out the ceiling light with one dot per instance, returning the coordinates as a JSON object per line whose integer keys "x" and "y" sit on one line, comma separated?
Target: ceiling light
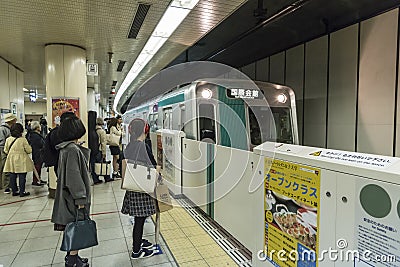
{"x": 170, "y": 21}
{"x": 154, "y": 44}
{"x": 25, "y": 90}
{"x": 184, "y": 3}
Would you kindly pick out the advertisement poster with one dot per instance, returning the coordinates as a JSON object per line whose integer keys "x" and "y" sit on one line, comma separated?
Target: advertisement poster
{"x": 292, "y": 198}
{"x": 61, "y": 105}
{"x": 378, "y": 224}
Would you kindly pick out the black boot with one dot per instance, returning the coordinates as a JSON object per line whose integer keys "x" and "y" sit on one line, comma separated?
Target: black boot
{"x": 75, "y": 261}
{"x": 85, "y": 260}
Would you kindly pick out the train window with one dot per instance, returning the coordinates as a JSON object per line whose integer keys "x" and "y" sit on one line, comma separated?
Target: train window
{"x": 261, "y": 116}
{"x": 283, "y": 124}
{"x": 167, "y": 118}
{"x": 153, "y": 122}
{"x": 207, "y": 122}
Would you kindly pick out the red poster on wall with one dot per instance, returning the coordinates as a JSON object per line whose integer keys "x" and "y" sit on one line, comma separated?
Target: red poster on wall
{"x": 61, "y": 105}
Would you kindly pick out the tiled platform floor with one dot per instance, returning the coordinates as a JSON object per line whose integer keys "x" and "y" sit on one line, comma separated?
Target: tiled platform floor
{"x": 27, "y": 237}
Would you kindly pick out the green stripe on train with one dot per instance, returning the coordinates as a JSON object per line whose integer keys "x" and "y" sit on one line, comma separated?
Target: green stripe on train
{"x": 172, "y": 100}
{"x": 232, "y": 121}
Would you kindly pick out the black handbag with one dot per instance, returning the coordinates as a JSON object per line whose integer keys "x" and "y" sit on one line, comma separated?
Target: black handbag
{"x": 79, "y": 234}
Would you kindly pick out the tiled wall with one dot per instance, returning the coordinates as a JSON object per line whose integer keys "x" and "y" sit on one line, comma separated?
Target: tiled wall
{"x": 346, "y": 86}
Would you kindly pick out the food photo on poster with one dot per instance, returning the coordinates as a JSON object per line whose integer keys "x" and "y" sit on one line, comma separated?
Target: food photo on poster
{"x": 62, "y": 105}
{"x": 291, "y": 218}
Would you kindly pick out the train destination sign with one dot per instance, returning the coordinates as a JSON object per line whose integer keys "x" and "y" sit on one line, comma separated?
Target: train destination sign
{"x": 244, "y": 93}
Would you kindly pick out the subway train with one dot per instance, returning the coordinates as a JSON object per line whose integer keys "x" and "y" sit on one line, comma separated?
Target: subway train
{"x": 231, "y": 113}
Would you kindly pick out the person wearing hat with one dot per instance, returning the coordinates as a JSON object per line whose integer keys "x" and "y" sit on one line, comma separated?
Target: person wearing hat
{"x": 5, "y": 132}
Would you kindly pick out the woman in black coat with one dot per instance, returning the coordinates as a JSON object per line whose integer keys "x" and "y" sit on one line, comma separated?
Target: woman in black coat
{"x": 137, "y": 204}
{"x": 73, "y": 195}
{"x": 36, "y": 141}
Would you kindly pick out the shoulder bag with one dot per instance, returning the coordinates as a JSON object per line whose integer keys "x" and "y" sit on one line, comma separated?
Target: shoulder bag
{"x": 113, "y": 139}
{"x": 103, "y": 168}
{"x": 162, "y": 195}
{"x": 139, "y": 177}
{"x": 79, "y": 234}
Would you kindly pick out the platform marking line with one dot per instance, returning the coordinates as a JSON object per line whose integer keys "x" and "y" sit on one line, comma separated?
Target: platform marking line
{"x": 22, "y": 200}
{"x": 219, "y": 238}
{"x": 45, "y": 220}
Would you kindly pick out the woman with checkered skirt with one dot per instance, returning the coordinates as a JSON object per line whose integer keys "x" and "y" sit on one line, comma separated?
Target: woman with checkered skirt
{"x": 137, "y": 204}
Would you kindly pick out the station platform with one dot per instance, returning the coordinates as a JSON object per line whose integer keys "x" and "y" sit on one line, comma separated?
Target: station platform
{"x": 27, "y": 238}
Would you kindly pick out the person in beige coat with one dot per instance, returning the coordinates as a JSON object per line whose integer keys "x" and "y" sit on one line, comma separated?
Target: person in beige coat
{"x": 18, "y": 162}
{"x": 115, "y": 129}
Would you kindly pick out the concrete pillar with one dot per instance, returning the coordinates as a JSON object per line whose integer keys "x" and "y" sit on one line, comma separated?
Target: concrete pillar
{"x": 65, "y": 78}
{"x": 91, "y": 100}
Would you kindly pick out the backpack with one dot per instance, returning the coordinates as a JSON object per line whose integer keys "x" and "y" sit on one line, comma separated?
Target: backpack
{"x": 49, "y": 152}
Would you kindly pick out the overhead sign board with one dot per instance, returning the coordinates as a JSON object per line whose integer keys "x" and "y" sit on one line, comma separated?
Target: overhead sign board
{"x": 93, "y": 69}
{"x": 244, "y": 93}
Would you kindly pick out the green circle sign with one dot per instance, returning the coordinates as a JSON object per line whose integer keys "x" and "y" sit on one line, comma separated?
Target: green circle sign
{"x": 375, "y": 201}
{"x": 398, "y": 208}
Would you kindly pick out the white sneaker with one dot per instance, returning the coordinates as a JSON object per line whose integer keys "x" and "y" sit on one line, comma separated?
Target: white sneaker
{"x": 143, "y": 253}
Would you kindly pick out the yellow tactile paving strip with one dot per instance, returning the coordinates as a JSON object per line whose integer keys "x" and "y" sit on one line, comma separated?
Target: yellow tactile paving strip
{"x": 189, "y": 243}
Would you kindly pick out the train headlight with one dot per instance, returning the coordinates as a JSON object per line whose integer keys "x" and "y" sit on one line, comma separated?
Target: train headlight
{"x": 282, "y": 98}
{"x": 206, "y": 93}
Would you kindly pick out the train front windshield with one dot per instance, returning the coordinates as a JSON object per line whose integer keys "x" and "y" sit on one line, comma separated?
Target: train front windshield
{"x": 275, "y": 128}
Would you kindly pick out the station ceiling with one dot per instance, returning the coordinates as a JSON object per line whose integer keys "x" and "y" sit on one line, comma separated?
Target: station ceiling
{"x": 101, "y": 27}
{"x": 260, "y": 28}
{"x": 244, "y": 37}
{"x": 234, "y": 32}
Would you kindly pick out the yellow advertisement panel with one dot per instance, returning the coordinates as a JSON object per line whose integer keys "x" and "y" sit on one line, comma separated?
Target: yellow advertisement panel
{"x": 292, "y": 195}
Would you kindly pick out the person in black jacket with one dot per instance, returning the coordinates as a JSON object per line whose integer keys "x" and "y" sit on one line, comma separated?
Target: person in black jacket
{"x": 43, "y": 125}
{"x": 50, "y": 153}
{"x": 36, "y": 141}
{"x": 137, "y": 204}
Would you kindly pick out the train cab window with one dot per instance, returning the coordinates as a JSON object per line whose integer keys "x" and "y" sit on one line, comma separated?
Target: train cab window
{"x": 207, "y": 123}
{"x": 261, "y": 116}
{"x": 283, "y": 124}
